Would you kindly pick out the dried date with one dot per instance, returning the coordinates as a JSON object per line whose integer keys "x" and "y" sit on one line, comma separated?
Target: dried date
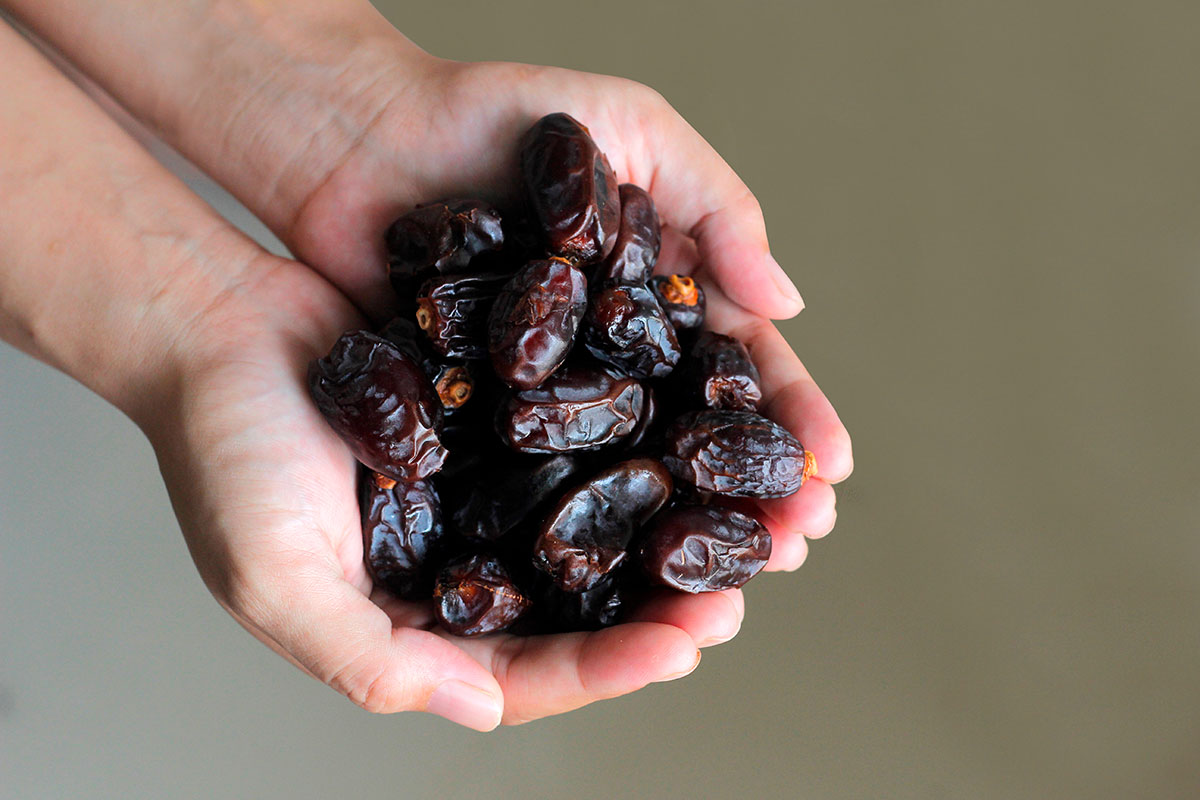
{"x": 721, "y": 372}
{"x": 453, "y": 311}
{"x": 475, "y": 595}
{"x": 682, "y": 299}
{"x": 704, "y": 549}
{"x": 381, "y": 404}
{"x": 534, "y": 320}
{"x": 638, "y": 241}
{"x": 627, "y": 328}
{"x": 577, "y": 409}
{"x": 513, "y": 492}
{"x": 440, "y": 238}
{"x": 571, "y": 189}
{"x": 585, "y": 536}
{"x": 402, "y": 530}
{"x": 737, "y": 453}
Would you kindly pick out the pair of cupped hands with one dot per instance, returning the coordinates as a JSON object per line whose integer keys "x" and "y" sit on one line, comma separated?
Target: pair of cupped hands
{"x": 265, "y": 491}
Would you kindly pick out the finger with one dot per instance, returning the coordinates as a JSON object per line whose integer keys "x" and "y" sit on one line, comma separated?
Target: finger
{"x": 788, "y": 550}
{"x": 697, "y": 192}
{"x": 811, "y": 511}
{"x": 710, "y": 618}
{"x": 343, "y": 639}
{"x": 790, "y": 396}
{"x": 545, "y": 675}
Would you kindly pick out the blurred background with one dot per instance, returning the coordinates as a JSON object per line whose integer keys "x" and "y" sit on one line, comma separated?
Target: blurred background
{"x": 991, "y": 210}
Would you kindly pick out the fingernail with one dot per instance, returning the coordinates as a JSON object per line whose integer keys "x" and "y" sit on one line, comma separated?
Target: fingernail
{"x": 721, "y": 638}
{"x": 784, "y": 283}
{"x": 677, "y": 675}
{"x": 466, "y": 704}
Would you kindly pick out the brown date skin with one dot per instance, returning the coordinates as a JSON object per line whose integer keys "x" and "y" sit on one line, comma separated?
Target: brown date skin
{"x": 475, "y": 595}
{"x": 453, "y": 380}
{"x": 627, "y": 328}
{"x": 511, "y": 495}
{"x": 381, "y": 404}
{"x": 721, "y": 372}
{"x": 704, "y": 549}
{"x": 440, "y": 238}
{"x": 736, "y": 453}
{"x": 682, "y": 300}
{"x": 533, "y": 321}
{"x": 577, "y": 409}
{"x": 453, "y": 311}
{"x": 571, "y": 190}
{"x": 402, "y": 532}
{"x": 586, "y": 534}
{"x": 638, "y": 241}
{"x": 599, "y": 607}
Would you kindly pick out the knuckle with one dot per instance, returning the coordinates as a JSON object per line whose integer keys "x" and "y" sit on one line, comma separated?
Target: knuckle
{"x": 368, "y": 688}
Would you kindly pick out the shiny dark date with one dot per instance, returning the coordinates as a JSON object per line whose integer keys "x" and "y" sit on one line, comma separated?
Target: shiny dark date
{"x": 402, "y": 530}
{"x": 627, "y": 328}
{"x": 598, "y": 607}
{"x": 381, "y": 404}
{"x": 722, "y": 373}
{"x": 475, "y": 595}
{"x": 440, "y": 238}
{"x": 737, "y": 453}
{"x": 577, "y": 409}
{"x": 704, "y": 549}
{"x": 534, "y": 320}
{"x": 682, "y": 299}
{"x": 638, "y": 241}
{"x": 585, "y": 536}
{"x": 507, "y": 499}
{"x": 453, "y": 311}
{"x": 571, "y": 189}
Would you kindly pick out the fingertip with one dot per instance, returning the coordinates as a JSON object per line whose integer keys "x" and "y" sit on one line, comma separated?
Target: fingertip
{"x": 467, "y": 705}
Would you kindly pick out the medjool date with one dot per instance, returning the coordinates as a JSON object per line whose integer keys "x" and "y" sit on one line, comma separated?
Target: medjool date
{"x": 453, "y": 311}
{"x": 533, "y": 321}
{"x": 402, "y": 530}
{"x": 736, "y": 453}
{"x": 502, "y": 503}
{"x": 722, "y": 373}
{"x": 586, "y": 535}
{"x": 381, "y": 404}
{"x": 682, "y": 300}
{"x": 440, "y": 237}
{"x": 571, "y": 189}
{"x": 577, "y": 409}
{"x": 704, "y": 548}
{"x": 626, "y": 327}
{"x": 475, "y": 595}
{"x": 638, "y": 241}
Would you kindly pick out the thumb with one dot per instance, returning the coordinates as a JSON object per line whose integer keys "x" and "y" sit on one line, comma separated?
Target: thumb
{"x": 331, "y": 630}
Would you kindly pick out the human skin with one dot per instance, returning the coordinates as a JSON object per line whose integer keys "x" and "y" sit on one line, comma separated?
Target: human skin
{"x": 327, "y": 123}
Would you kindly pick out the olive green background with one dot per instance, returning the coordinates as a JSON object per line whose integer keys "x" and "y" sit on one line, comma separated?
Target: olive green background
{"x": 991, "y": 209}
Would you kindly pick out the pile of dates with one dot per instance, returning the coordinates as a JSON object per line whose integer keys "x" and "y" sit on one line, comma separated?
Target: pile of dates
{"x": 546, "y": 430}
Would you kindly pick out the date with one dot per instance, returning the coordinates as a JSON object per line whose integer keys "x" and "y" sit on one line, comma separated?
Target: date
{"x": 638, "y": 241}
{"x": 627, "y": 328}
{"x": 704, "y": 549}
{"x": 453, "y": 311}
{"x": 381, "y": 404}
{"x": 577, "y": 409}
{"x": 722, "y": 374}
{"x": 534, "y": 320}
{"x": 736, "y": 453}
{"x": 585, "y": 536}
{"x": 475, "y": 595}
{"x": 682, "y": 300}
{"x": 402, "y": 531}
{"x": 440, "y": 238}
{"x": 595, "y": 608}
{"x": 571, "y": 189}
{"x": 510, "y": 495}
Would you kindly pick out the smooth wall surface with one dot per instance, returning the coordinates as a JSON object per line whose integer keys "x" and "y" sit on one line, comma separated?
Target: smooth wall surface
{"x": 993, "y": 211}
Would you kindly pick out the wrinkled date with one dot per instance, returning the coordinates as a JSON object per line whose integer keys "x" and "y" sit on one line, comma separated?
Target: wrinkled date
{"x": 736, "y": 453}
{"x": 577, "y": 409}
{"x": 475, "y": 595}
{"x": 586, "y": 535}
{"x": 440, "y": 238}
{"x": 502, "y": 502}
{"x": 381, "y": 404}
{"x": 453, "y": 311}
{"x": 704, "y": 549}
{"x": 571, "y": 189}
{"x": 638, "y": 241}
{"x": 626, "y": 327}
{"x": 598, "y": 607}
{"x": 722, "y": 373}
{"x": 533, "y": 321}
{"x": 402, "y": 529}
{"x": 682, "y": 300}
